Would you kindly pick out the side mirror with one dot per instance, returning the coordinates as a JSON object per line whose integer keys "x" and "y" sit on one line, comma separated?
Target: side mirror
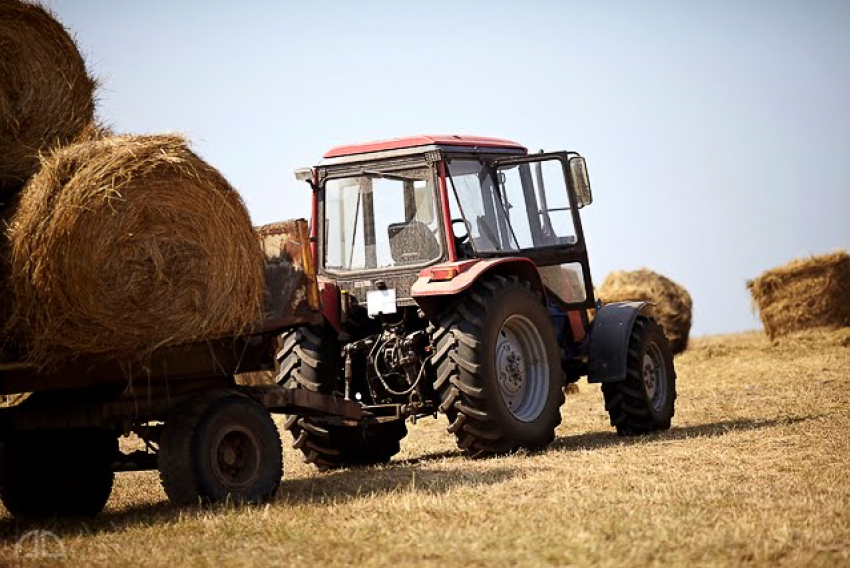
{"x": 581, "y": 181}
{"x": 304, "y": 174}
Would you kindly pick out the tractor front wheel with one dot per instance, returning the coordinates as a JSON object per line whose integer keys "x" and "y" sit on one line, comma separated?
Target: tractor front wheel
{"x": 644, "y": 401}
{"x": 498, "y": 368}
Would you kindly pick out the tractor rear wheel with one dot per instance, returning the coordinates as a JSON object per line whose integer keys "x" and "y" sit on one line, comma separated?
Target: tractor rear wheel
{"x": 309, "y": 359}
{"x": 644, "y": 401}
{"x": 57, "y": 472}
{"x": 498, "y": 368}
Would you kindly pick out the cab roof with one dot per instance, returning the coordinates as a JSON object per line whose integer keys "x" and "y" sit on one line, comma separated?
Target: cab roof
{"x": 423, "y": 140}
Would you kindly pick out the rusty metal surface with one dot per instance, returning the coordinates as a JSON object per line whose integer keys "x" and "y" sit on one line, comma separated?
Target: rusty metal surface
{"x": 122, "y": 410}
{"x": 300, "y": 401}
{"x": 292, "y": 295}
{"x": 205, "y": 360}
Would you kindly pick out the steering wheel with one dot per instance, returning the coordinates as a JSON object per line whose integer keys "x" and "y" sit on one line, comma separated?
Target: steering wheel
{"x": 464, "y": 238}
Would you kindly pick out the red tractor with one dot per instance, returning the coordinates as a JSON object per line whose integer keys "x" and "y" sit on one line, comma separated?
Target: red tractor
{"x": 454, "y": 279}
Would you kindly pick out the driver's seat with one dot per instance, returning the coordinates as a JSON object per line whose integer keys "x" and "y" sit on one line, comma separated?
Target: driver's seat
{"x": 412, "y": 243}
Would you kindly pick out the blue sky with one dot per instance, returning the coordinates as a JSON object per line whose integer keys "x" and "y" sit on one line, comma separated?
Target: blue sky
{"x": 717, "y": 134}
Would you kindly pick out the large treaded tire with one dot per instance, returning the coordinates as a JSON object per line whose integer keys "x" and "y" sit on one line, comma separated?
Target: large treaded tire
{"x": 465, "y": 340}
{"x": 220, "y": 446}
{"x": 57, "y": 472}
{"x": 645, "y": 401}
{"x": 309, "y": 359}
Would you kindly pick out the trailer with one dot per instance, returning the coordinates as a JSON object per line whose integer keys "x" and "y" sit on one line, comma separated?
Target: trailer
{"x": 210, "y": 438}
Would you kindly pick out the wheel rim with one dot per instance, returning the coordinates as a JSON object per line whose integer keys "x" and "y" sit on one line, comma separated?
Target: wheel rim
{"x": 522, "y": 368}
{"x": 235, "y": 454}
{"x": 654, "y": 376}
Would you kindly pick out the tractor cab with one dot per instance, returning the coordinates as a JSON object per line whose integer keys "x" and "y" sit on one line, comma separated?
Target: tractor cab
{"x": 400, "y": 214}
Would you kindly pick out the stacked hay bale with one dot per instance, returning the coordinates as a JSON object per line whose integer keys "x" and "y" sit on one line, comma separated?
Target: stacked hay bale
{"x": 46, "y": 95}
{"x": 46, "y": 100}
{"x": 672, "y": 303}
{"x": 804, "y": 294}
{"x": 113, "y": 246}
{"x": 7, "y": 209}
{"x": 125, "y": 244}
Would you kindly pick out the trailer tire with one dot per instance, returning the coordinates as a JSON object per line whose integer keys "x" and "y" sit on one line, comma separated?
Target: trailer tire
{"x": 645, "y": 400}
{"x": 221, "y": 446}
{"x": 50, "y": 473}
{"x": 498, "y": 368}
{"x": 308, "y": 358}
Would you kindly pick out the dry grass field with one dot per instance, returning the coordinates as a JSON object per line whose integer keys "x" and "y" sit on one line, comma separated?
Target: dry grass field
{"x": 756, "y": 471}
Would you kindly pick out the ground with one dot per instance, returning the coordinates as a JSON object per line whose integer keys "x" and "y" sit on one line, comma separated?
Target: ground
{"x": 754, "y": 471}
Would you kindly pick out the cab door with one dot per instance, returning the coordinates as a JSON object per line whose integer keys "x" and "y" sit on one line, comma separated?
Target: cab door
{"x": 537, "y": 197}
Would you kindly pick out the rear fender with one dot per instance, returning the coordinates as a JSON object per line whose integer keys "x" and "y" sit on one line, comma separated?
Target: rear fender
{"x": 433, "y": 291}
{"x": 609, "y": 341}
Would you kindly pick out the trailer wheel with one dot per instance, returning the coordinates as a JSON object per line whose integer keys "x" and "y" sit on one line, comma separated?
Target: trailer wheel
{"x": 644, "y": 401}
{"x": 218, "y": 447}
{"x": 57, "y": 473}
{"x": 499, "y": 368}
{"x": 309, "y": 358}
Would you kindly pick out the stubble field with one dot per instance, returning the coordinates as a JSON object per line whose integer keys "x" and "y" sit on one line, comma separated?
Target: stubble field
{"x": 755, "y": 471}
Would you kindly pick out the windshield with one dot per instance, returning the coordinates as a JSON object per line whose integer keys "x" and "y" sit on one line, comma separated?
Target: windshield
{"x": 381, "y": 220}
{"x": 528, "y": 207}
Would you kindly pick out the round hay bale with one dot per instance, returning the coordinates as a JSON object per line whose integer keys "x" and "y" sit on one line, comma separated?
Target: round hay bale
{"x": 672, "y": 307}
{"x": 128, "y": 243}
{"x": 46, "y": 95}
{"x": 804, "y": 294}
{"x": 7, "y": 208}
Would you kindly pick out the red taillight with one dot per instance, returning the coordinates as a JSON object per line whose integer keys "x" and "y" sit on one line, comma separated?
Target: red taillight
{"x": 443, "y": 273}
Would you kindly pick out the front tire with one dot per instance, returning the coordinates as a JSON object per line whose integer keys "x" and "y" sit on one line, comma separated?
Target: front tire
{"x": 498, "y": 369}
{"x": 644, "y": 402}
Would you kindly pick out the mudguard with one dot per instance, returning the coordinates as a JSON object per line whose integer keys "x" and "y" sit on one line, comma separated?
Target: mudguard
{"x": 609, "y": 341}
{"x": 434, "y": 295}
